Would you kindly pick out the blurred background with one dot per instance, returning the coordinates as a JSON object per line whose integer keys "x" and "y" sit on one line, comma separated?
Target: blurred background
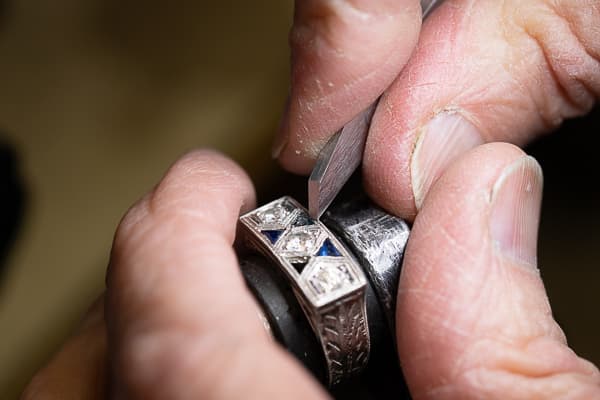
{"x": 98, "y": 97}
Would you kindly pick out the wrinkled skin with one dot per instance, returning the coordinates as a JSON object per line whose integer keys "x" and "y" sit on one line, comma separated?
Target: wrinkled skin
{"x": 177, "y": 321}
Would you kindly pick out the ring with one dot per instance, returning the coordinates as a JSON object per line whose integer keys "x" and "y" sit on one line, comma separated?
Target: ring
{"x": 326, "y": 279}
{"x": 377, "y": 240}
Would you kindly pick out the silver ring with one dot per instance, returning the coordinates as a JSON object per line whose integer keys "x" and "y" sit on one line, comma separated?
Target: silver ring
{"x": 327, "y": 280}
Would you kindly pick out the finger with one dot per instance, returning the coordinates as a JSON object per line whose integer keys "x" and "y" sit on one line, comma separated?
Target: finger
{"x": 483, "y": 71}
{"x": 344, "y": 54}
{"x": 181, "y": 321}
{"x": 79, "y": 369}
{"x": 474, "y": 316}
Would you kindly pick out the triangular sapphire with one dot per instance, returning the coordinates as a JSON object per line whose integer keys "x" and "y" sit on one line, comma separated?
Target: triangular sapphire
{"x": 272, "y": 235}
{"x": 328, "y": 249}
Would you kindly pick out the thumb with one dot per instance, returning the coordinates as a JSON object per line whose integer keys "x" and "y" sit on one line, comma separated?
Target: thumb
{"x": 474, "y": 318}
{"x": 483, "y": 71}
{"x": 344, "y": 54}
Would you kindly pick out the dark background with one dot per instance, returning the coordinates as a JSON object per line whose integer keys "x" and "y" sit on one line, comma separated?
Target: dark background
{"x": 98, "y": 97}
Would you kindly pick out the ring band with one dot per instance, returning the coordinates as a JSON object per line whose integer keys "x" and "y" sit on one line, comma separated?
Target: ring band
{"x": 326, "y": 279}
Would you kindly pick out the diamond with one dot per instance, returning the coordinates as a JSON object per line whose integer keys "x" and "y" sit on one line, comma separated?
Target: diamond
{"x": 275, "y": 216}
{"x": 329, "y": 275}
{"x": 299, "y": 243}
{"x": 272, "y": 215}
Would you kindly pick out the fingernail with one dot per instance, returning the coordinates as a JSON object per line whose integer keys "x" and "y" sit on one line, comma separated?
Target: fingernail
{"x": 441, "y": 141}
{"x": 516, "y": 204}
{"x": 281, "y": 138}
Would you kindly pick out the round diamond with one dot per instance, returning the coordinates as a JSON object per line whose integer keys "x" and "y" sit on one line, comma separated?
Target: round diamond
{"x": 302, "y": 242}
{"x": 331, "y": 277}
{"x": 272, "y": 215}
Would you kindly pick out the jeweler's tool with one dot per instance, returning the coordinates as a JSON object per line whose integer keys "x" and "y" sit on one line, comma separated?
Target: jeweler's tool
{"x": 343, "y": 153}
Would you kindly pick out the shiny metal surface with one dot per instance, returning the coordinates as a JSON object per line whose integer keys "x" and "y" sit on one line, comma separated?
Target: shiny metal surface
{"x": 378, "y": 240}
{"x": 343, "y": 152}
{"x": 326, "y": 278}
{"x": 428, "y": 5}
{"x": 337, "y": 161}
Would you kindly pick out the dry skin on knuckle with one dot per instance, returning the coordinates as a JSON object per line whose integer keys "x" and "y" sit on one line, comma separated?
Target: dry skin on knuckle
{"x": 530, "y": 58}
{"x": 551, "y": 33}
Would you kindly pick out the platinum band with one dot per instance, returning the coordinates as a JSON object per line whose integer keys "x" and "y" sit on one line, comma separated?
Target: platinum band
{"x": 326, "y": 279}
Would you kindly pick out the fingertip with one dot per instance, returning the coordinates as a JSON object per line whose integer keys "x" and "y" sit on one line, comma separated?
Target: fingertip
{"x": 499, "y": 68}
{"x": 197, "y": 178}
{"x": 448, "y": 264}
{"x": 195, "y": 205}
{"x": 474, "y": 316}
{"x": 386, "y": 173}
{"x": 344, "y": 56}
{"x": 207, "y": 171}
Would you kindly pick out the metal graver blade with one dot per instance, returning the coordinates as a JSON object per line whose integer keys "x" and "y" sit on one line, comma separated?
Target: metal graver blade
{"x": 428, "y": 5}
{"x": 337, "y": 161}
{"x": 343, "y": 153}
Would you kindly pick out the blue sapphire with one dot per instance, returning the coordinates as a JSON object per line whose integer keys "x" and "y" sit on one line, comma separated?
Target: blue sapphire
{"x": 273, "y": 235}
{"x": 328, "y": 249}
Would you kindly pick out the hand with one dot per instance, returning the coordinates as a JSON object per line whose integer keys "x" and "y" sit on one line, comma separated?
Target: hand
{"x": 475, "y": 319}
{"x": 177, "y": 321}
{"x": 482, "y": 71}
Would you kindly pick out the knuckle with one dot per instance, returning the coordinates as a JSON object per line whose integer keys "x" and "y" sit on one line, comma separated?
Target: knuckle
{"x": 132, "y": 220}
{"x": 198, "y": 175}
{"x": 132, "y": 225}
{"x": 200, "y": 185}
{"x": 538, "y": 368}
{"x": 564, "y": 36}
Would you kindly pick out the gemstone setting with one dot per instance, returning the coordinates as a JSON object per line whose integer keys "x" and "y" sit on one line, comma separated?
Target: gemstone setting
{"x": 275, "y": 216}
{"x": 302, "y": 219}
{"x": 330, "y": 276}
{"x": 273, "y": 235}
{"x": 315, "y": 261}
{"x": 300, "y": 243}
{"x": 328, "y": 249}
